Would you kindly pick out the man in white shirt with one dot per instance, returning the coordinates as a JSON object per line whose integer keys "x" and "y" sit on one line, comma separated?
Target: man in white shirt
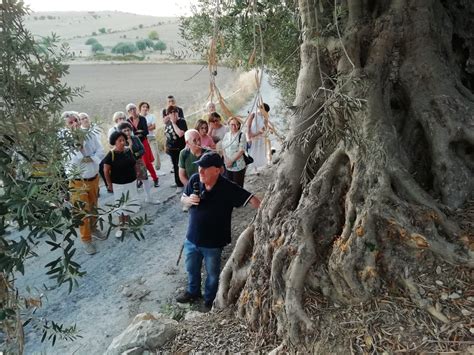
{"x": 82, "y": 170}
{"x": 144, "y": 109}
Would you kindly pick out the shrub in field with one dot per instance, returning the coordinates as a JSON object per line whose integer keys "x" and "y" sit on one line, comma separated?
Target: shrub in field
{"x": 91, "y": 41}
{"x": 122, "y": 58}
{"x": 153, "y": 35}
{"x": 102, "y": 30}
{"x": 160, "y": 46}
{"x": 149, "y": 43}
{"x": 97, "y": 47}
{"x": 141, "y": 45}
{"x": 124, "y": 48}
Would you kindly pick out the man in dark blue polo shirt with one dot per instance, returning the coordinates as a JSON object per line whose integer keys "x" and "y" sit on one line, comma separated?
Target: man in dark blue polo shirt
{"x": 211, "y": 198}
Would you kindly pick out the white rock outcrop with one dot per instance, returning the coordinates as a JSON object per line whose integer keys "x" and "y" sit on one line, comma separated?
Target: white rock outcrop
{"x": 148, "y": 331}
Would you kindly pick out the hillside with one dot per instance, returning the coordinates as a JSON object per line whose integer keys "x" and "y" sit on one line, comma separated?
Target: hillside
{"x": 75, "y": 28}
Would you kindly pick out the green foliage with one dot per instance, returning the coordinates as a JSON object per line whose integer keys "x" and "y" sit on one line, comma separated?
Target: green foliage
{"x": 140, "y": 26}
{"x": 124, "y": 48}
{"x": 32, "y": 154}
{"x": 159, "y": 46}
{"x": 52, "y": 331}
{"x": 32, "y": 160}
{"x": 153, "y": 35}
{"x": 94, "y": 34}
{"x": 91, "y": 41}
{"x": 123, "y": 58}
{"x": 102, "y": 30}
{"x": 177, "y": 312}
{"x": 141, "y": 45}
{"x": 149, "y": 43}
{"x": 97, "y": 47}
{"x": 271, "y": 28}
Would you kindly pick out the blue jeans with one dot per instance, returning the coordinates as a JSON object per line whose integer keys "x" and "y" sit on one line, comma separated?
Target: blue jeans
{"x": 212, "y": 261}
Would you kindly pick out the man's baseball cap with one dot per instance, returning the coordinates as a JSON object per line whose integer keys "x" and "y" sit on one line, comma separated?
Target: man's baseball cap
{"x": 210, "y": 159}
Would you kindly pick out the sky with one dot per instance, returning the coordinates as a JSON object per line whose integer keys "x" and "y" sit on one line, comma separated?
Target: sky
{"x": 141, "y": 7}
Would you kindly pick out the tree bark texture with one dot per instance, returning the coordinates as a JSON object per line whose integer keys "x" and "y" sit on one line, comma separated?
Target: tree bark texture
{"x": 380, "y": 154}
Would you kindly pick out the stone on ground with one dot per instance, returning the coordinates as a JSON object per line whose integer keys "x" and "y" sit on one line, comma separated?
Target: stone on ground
{"x": 147, "y": 332}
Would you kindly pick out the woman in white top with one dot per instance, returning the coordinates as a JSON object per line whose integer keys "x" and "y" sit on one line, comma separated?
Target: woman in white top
{"x": 234, "y": 144}
{"x": 216, "y": 129}
{"x": 256, "y": 129}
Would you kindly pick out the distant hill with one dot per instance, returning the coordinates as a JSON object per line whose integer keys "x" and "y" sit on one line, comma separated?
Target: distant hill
{"x": 76, "y": 27}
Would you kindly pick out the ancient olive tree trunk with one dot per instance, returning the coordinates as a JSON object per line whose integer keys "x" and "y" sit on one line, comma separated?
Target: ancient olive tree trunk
{"x": 380, "y": 151}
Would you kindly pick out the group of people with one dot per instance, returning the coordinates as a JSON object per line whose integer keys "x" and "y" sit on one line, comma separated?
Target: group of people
{"x": 124, "y": 169}
{"x": 208, "y": 162}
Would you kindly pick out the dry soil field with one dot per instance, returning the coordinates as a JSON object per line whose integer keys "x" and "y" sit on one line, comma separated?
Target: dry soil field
{"x": 110, "y": 87}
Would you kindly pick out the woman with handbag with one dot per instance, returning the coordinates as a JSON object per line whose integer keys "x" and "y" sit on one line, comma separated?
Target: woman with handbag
{"x": 135, "y": 145}
{"x": 140, "y": 129}
{"x": 234, "y": 145}
{"x": 119, "y": 169}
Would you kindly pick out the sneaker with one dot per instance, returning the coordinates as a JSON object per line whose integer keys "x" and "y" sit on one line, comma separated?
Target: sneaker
{"x": 186, "y": 297}
{"x": 156, "y": 183}
{"x": 89, "y": 248}
{"x": 179, "y": 190}
{"x": 185, "y": 208}
{"x": 152, "y": 201}
{"x": 119, "y": 233}
{"x": 97, "y": 234}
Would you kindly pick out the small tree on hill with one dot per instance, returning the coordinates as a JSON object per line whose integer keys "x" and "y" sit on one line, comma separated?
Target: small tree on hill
{"x": 153, "y": 35}
{"x": 160, "y": 46}
{"x": 91, "y": 41}
{"x": 102, "y": 30}
{"x": 97, "y": 47}
{"x": 141, "y": 45}
{"x": 124, "y": 48}
{"x": 149, "y": 43}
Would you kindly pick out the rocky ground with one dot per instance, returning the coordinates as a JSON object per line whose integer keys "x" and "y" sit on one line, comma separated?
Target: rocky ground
{"x": 132, "y": 277}
{"x": 124, "y": 278}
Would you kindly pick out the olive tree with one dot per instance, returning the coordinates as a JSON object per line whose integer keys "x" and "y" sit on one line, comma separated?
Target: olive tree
{"x": 160, "y": 46}
{"x": 33, "y": 185}
{"x": 375, "y": 182}
{"x": 124, "y": 48}
{"x": 97, "y": 47}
